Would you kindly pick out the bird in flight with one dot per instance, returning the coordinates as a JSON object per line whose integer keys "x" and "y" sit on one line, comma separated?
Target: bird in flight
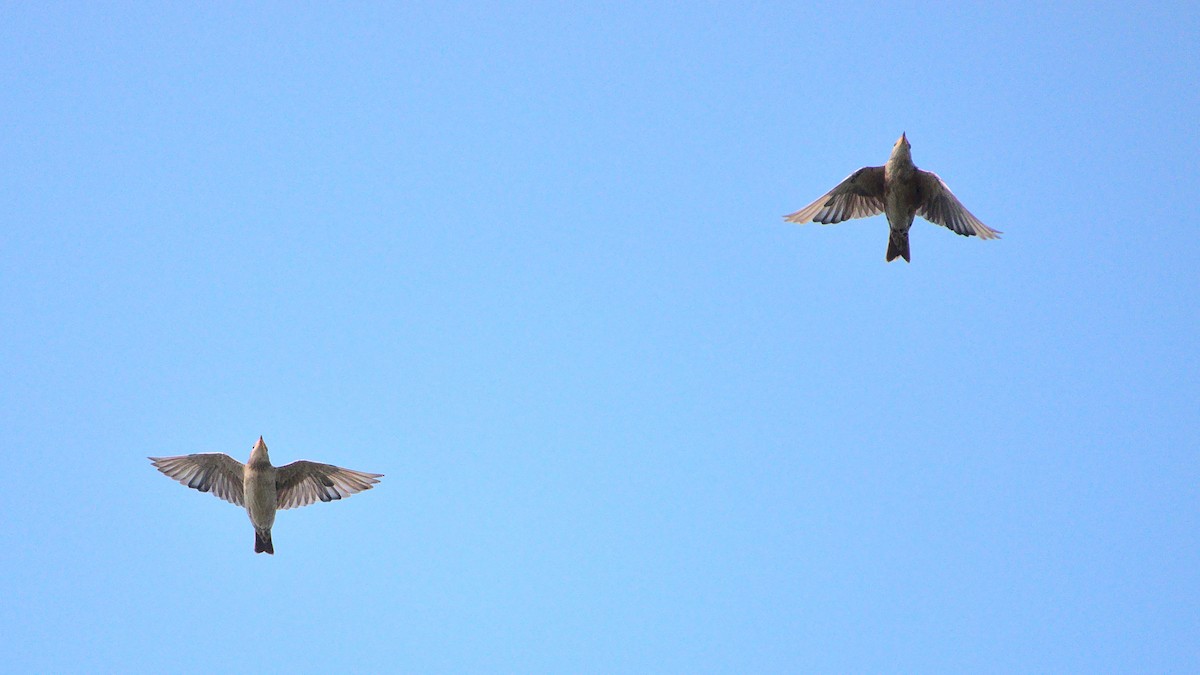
{"x": 262, "y": 488}
{"x": 900, "y": 190}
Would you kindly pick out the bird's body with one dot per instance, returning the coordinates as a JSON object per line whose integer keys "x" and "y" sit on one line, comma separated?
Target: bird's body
{"x": 262, "y": 488}
{"x": 261, "y": 497}
{"x": 899, "y": 190}
{"x": 899, "y": 200}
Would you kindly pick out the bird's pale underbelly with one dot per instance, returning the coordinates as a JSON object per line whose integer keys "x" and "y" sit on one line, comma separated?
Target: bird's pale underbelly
{"x": 260, "y": 498}
{"x": 899, "y": 203}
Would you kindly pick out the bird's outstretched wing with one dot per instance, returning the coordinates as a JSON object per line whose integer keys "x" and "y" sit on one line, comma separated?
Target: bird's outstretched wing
{"x": 859, "y": 196}
{"x": 302, "y": 483}
{"x": 207, "y": 472}
{"x": 937, "y": 204}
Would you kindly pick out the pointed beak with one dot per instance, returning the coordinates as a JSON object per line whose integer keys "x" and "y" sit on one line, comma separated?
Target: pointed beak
{"x": 903, "y": 138}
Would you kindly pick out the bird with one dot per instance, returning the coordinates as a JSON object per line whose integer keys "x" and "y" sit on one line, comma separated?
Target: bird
{"x": 900, "y": 190}
{"x": 262, "y": 488}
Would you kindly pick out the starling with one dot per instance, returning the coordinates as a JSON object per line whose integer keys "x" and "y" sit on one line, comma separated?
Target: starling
{"x": 262, "y": 488}
{"x": 900, "y": 190}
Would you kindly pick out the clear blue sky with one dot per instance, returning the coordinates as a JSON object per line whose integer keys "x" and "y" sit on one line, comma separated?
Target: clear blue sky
{"x": 528, "y": 261}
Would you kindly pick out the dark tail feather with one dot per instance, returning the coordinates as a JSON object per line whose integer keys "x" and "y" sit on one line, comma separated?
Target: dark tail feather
{"x": 898, "y": 246}
{"x": 262, "y": 542}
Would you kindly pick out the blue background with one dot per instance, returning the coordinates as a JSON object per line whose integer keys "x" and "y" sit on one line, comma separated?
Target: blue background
{"x": 527, "y": 260}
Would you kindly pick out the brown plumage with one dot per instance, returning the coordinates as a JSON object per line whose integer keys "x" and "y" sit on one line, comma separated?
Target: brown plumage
{"x": 900, "y": 190}
{"x": 261, "y": 488}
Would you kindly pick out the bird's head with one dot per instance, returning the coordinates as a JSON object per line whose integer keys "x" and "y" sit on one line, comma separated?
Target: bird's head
{"x": 900, "y": 151}
{"x": 260, "y": 449}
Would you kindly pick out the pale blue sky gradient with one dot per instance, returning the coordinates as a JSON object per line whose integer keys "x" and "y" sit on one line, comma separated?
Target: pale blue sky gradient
{"x": 528, "y": 261}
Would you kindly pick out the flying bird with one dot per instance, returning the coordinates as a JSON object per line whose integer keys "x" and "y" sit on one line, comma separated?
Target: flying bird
{"x": 900, "y": 190}
{"x": 262, "y": 488}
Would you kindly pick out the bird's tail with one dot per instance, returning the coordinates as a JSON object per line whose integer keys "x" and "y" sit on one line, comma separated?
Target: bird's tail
{"x": 262, "y": 542}
{"x": 898, "y": 246}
